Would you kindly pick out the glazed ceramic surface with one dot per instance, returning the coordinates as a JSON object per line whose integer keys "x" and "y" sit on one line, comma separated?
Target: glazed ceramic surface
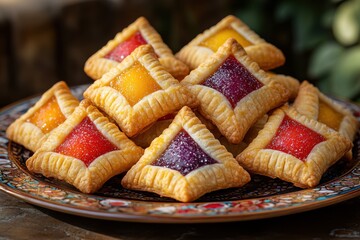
{"x": 261, "y": 198}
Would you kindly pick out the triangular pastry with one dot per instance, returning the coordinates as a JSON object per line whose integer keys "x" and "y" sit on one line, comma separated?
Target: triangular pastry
{"x": 53, "y": 108}
{"x": 138, "y": 92}
{"x": 233, "y": 92}
{"x": 138, "y": 33}
{"x": 185, "y": 162}
{"x": 204, "y": 45}
{"x": 85, "y": 151}
{"x": 316, "y": 105}
{"x": 294, "y": 148}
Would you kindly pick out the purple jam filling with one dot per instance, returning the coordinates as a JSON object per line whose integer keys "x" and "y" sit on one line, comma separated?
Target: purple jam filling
{"x": 183, "y": 155}
{"x": 233, "y": 80}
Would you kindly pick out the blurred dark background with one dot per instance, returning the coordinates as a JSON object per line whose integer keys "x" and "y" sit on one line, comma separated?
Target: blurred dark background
{"x": 44, "y": 41}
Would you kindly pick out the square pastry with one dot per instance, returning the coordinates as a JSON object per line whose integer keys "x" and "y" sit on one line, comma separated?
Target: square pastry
{"x": 316, "y": 105}
{"x": 85, "y": 151}
{"x": 233, "y": 92}
{"x": 116, "y": 50}
{"x": 185, "y": 162}
{"x": 138, "y": 91}
{"x": 294, "y": 148}
{"x": 204, "y": 45}
{"x": 53, "y": 108}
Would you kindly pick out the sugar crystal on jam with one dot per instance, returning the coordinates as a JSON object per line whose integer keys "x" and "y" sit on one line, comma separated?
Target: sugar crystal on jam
{"x": 85, "y": 142}
{"x": 125, "y": 48}
{"x": 233, "y": 80}
{"x": 295, "y": 139}
{"x": 184, "y": 155}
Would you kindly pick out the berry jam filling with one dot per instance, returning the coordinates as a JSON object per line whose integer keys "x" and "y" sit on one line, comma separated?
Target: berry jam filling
{"x": 233, "y": 80}
{"x": 125, "y": 48}
{"x": 85, "y": 142}
{"x": 183, "y": 155}
{"x": 295, "y": 139}
{"x": 48, "y": 117}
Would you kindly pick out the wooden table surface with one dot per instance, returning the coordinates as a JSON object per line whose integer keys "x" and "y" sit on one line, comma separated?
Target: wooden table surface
{"x": 20, "y": 220}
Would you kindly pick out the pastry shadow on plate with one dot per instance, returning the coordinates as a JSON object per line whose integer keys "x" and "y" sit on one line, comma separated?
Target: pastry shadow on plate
{"x": 259, "y": 186}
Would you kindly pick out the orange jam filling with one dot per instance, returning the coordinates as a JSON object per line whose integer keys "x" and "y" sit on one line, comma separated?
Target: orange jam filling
{"x": 48, "y": 117}
{"x": 85, "y": 142}
{"x": 134, "y": 83}
{"x": 218, "y": 39}
{"x": 329, "y": 116}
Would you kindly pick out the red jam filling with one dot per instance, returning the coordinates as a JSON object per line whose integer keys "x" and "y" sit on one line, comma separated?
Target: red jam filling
{"x": 295, "y": 139}
{"x": 85, "y": 142}
{"x": 233, "y": 80}
{"x": 125, "y": 48}
{"x": 183, "y": 155}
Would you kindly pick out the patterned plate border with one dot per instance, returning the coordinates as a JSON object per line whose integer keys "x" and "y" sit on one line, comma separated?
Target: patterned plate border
{"x": 20, "y": 184}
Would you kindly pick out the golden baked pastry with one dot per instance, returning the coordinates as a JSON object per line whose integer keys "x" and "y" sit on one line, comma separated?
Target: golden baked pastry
{"x": 294, "y": 148}
{"x": 233, "y": 92}
{"x": 144, "y": 138}
{"x": 185, "y": 162}
{"x": 291, "y": 83}
{"x": 85, "y": 151}
{"x": 138, "y": 33}
{"x": 32, "y": 128}
{"x": 314, "y": 104}
{"x": 204, "y": 45}
{"x": 235, "y": 149}
{"x": 138, "y": 91}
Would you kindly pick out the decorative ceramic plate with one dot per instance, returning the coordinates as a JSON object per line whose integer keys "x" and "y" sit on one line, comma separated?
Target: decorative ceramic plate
{"x": 261, "y": 198}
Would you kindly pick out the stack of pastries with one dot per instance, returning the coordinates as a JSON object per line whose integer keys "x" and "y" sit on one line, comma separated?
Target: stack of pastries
{"x": 186, "y": 124}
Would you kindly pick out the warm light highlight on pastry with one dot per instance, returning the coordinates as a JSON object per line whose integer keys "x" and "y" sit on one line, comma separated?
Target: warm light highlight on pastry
{"x": 294, "y": 138}
{"x": 85, "y": 142}
{"x": 329, "y": 116}
{"x": 294, "y": 148}
{"x": 134, "y": 83}
{"x": 125, "y": 42}
{"x": 205, "y": 44}
{"x": 233, "y": 92}
{"x": 215, "y": 41}
{"x": 185, "y": 162}
{"x": 184, "y": 155}
{"x": 233, "y": 80}
{"x": 48, "y": 117}
{"x": 125, "y": 48}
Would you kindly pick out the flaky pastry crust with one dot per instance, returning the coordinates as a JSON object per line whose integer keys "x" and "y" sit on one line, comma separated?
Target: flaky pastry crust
{"x": 97, "y": 64}
{"x": 233, "y": 123}
{"x": 292, "y": 84}
{"x": 265, "y": 54}
{"x": 258, "y": 159}
{"x": 28, "y": 134}
{"x": 87, "y": 179}
{"x": 132, "y": 119}
{"x": 171, "y": 183}
{"x": 308, "y": 101}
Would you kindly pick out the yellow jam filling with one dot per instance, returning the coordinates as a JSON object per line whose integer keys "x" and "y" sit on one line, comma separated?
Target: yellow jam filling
{"x": 134, "y": 83}
{"x": 218, "y": 39}
{"x": 48, "y": 117}
{"x": 329, "y": 116}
